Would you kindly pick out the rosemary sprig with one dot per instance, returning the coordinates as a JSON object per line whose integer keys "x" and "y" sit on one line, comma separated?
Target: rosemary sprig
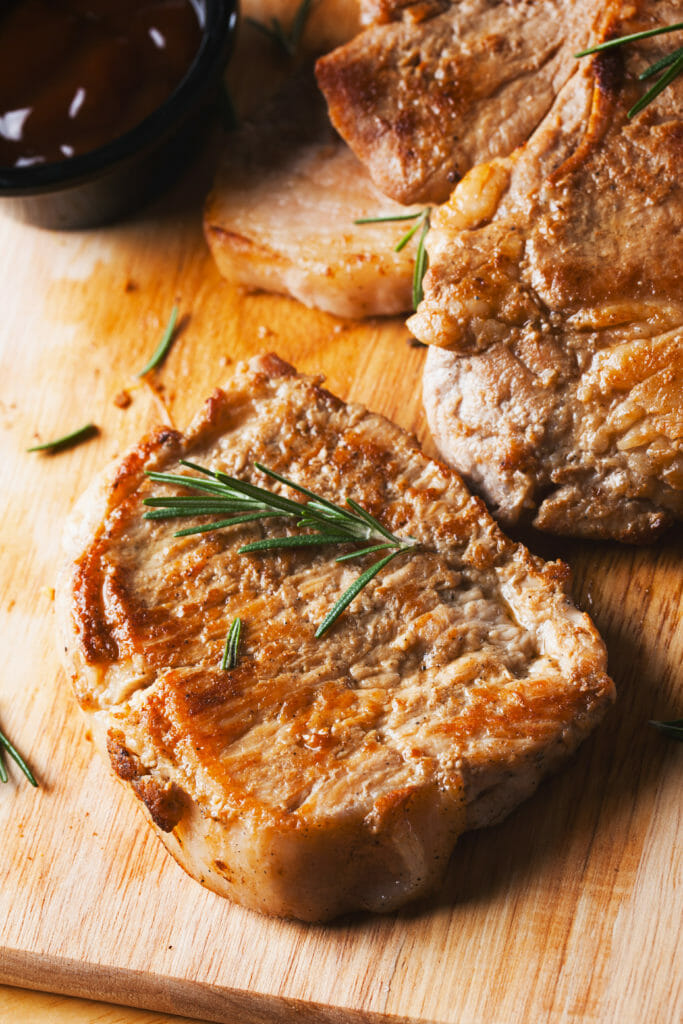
{"x": 232, "y": 643}
{"x": 674, "y": 61}
{"x": 421, "y": 219}
{"x": 672, "y": 729}
{"x": 5, "y": 744}
{"x": 238, "y": 501}
{"x": 288, "y": 41}
{"x": 164, "y": 345}
{"x": 67, "y": 440}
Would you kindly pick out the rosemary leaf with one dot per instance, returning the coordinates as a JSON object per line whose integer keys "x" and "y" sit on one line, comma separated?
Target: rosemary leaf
{"x": 612, "y": 43}
{"x": 67, "y": 440}
{"x": 290, "y": 41}
{"x": 229, "y": 659}
{"x": 402, "y": 242}
{"x": 303, "y": 540}
{"x": 355, "y": 589}
{"x": 299, "y": 25}
{"x": 658, "y": 87}
{"x": 660, "y": 64}
{"x": 370, "y": 520}
{"x": 286, "y": 505}
{"x": 3, "y": 771}
{"x": 197, "y": 485}
{"x": 672, "y": 729}
{"x": 174, "y": 511}
{"x": 219, "y": 524}
{"x": 274, "y": 31}
{"x": 164, "y": 345}
{"x": 421, "y": 262}
{"x": 363, "y": 551}
{"x": 188, "y": 501}
{"x": 16, "y": 756}
{"x": 390, "y": 217}
{"x": 316, "y": 499}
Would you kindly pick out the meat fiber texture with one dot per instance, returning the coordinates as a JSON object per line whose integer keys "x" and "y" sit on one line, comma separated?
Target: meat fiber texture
{"x": 319, "y": 776}
{"x": 281, "y": 214}
{"x": 433, "y": 88}
{"x": 556, "y": 282}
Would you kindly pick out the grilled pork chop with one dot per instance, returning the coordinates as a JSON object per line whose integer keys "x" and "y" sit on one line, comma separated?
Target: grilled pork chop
{"x": 557, "y": 281}
{"x": 281, "y": 214}
{"x": 320, "y": 776}
{"x": 434, "y": 88}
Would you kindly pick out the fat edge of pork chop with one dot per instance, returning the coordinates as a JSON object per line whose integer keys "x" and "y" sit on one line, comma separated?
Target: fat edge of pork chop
{"x": 320, "y": 776}
{"x": 556, "y": 278}
{"x": 436, "y": 88}
{"x": 280, "y": 216}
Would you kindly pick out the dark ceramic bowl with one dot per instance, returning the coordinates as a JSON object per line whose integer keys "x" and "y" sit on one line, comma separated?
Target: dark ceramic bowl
{"x": 108, "y": 182}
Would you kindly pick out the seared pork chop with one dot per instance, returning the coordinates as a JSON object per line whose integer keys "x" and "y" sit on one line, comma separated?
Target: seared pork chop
{"x": 556, "y": 279}
{"x": 281, "y": 214}
{"x": 320, "y": 776}
{"x": 434, "y": 87}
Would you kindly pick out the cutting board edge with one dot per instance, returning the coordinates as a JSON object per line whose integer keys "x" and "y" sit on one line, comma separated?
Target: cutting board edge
{"x": 140, "y": 989}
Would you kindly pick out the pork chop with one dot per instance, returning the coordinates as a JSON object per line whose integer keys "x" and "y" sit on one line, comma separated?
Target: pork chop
{"x": 280, "y": 217}
{"x": 556, "y": 279}
{"x": 324, "y": 775}
{"x": 434, "y": 88}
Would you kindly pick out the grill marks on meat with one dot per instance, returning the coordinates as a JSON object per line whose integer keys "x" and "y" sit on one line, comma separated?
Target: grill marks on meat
{"x": 321, "y": 776}
{"x": 281, "y": 214}
{"x": 433, "y": 89}
{"x": 557, "y": 281}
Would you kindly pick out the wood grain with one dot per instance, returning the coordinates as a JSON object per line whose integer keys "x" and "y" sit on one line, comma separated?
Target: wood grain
{"x": 570, "y": 911}
{"x": 22, "y": 1007}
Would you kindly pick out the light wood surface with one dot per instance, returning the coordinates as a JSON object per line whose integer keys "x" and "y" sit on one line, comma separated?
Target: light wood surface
{"x": 570, "y": 911}
{"x": 23, "y": 1007}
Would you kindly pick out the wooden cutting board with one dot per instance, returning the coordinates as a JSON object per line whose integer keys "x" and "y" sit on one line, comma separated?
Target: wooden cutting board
{"x": 569, "y": 911}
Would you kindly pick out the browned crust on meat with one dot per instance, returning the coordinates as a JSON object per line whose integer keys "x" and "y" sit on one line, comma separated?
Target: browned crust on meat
{"x": 165, "y": 804}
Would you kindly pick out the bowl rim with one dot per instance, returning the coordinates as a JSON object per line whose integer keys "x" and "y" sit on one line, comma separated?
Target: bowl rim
{"x": 220, "y": 22}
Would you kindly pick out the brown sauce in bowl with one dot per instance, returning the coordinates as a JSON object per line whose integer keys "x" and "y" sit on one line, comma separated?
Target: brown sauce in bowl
{"x": 77, "y": 74}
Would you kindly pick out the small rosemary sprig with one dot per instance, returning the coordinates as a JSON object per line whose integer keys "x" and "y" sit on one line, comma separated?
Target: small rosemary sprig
{"x": 232, "y": 644}
{"x": 672, "y": 729}
{"x": 67, "y": 440}
{"x": 6, "y": 745}
{"x": 237, "y": 501}
{"x": 164, "y": 345}
{"x": 673, "y": 61}
{"x": 288, "y": 41}
{"x": 421, "y": 219}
